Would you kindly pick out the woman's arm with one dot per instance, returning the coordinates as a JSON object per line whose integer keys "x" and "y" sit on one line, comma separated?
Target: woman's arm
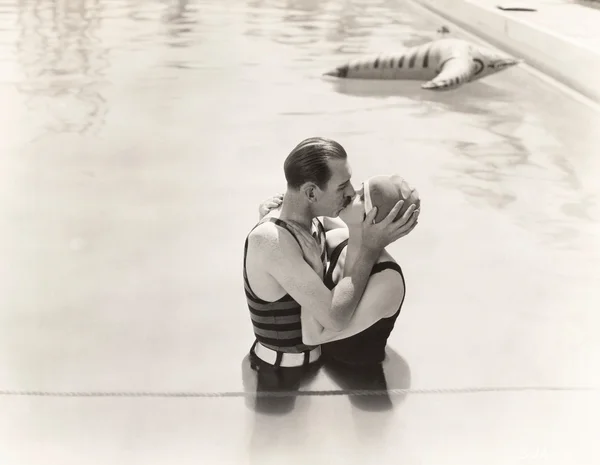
{"x": 381, "y": 299}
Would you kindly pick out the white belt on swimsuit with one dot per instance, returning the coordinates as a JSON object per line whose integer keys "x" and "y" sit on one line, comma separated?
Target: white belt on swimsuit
{"x": 287, "y": 359}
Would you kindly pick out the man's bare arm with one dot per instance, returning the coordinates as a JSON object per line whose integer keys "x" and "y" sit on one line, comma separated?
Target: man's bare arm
{"x": 381, "y": 298}
{"x": 281, "y": 257}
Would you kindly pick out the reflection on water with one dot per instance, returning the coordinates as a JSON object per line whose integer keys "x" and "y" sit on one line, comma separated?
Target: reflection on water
{"x": 344, "y": 27}
{"x": 498, "y": 151}
{"x": 278, "y": 426}
{"x": 180, "y": 18}
{"x": 501, "y": 170}
{"x": 63, "y": 64}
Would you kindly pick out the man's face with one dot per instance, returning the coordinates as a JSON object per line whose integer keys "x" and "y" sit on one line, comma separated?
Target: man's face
{"x": 339, "y": 191}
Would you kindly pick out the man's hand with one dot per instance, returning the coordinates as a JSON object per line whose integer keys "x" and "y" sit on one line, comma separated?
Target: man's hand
{"x": 377, "y": 236}
{"x": 270, "y": 204}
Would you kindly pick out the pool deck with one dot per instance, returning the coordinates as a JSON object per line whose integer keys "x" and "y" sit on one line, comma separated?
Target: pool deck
{"x": 560, "y": 38}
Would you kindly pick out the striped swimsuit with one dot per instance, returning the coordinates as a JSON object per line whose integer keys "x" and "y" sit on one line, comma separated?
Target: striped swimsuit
{"x": 367, "y": 347}
{"x": 277, "y": 325}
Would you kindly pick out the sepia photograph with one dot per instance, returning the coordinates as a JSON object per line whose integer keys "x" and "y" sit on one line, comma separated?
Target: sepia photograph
{"x": 300, "y": 232}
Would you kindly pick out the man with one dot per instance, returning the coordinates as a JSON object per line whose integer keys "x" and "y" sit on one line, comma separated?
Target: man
{"x": 285, "y": 260}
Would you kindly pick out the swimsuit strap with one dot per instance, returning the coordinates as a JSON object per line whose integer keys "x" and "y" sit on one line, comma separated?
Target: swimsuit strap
{"x": 335, "y": 255}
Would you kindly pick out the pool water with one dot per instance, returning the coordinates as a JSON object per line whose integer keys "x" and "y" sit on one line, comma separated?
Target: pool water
{"x": 139, "y": 138}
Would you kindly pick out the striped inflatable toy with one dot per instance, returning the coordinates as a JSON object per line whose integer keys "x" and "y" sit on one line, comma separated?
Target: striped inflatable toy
{"x": 444, "y": 64}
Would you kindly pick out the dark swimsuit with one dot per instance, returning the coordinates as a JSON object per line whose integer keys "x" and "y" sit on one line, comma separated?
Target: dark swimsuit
{"x": 277, "y": 325}
{"x": 368, "y": 346}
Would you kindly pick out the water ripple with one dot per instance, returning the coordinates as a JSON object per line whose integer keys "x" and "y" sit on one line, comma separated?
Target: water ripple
{"x": 96, "y": 69}
{"x": 63, "y": 64}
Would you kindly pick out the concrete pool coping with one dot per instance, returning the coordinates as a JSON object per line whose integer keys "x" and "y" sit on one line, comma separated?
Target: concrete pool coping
{"x": 560, "y": 38}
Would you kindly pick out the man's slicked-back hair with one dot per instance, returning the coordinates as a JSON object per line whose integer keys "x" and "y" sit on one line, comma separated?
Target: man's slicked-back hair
{"x": 309, "y": 162}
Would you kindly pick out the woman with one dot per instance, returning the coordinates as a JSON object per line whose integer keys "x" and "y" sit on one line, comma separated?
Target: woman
{"x": 363, "y": 341}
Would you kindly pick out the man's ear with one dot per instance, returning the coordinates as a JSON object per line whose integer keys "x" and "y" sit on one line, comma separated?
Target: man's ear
{"x": 311, "y": 191}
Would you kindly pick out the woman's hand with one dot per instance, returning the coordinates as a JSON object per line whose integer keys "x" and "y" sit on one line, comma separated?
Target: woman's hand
{"x": 377, "y": 236}
{"x": 272, "y": 203}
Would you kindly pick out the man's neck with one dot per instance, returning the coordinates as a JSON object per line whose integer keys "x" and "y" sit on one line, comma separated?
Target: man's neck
{"x": 295, "y": 209}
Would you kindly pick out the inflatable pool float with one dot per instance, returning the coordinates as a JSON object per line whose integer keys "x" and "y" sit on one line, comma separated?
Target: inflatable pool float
{"x": 444, "y": 64}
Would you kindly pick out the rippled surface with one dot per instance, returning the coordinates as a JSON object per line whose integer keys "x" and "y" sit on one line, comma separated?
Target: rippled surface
{"x": 139, "y": 137}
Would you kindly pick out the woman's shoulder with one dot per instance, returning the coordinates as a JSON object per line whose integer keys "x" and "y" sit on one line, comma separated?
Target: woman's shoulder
{"x": 386, "y": 257}
{"x": 386, "y": 288}
{"x": 335, "y": 237}
{"x": 387, "y": 273}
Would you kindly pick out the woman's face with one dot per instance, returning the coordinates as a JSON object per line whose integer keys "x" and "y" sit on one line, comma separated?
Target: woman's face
{"x": 354, "y": 213}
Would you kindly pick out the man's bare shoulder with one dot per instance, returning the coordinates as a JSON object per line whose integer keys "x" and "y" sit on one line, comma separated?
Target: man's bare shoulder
{"x": 272, "y": 240}
{"x": 264, "y": 233}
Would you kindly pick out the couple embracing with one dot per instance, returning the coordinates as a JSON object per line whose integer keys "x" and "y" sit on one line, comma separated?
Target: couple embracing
{"x": 319, "y": 284}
